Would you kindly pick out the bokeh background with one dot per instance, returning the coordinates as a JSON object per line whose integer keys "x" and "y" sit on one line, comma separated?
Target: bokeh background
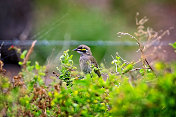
{"x": 59, "y": 25}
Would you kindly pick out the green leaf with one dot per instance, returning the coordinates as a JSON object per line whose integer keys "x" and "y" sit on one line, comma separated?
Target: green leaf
{"x": 20, "y": 63}
{"x": 173, "y": 45}
{"x": 128, "y": 68}
{"x": 118, "y": 58}
{"x": 23, "y": 54}
{"x": 37, "y": 66}
{"x": 141, "y": 71}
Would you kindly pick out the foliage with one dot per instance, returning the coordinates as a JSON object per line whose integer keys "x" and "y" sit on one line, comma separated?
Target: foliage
{"x": 173, "y": 45}
{"x": 66, "y": 67}
{"x": 151, "y": 96}
{"x": 148, "y": 94}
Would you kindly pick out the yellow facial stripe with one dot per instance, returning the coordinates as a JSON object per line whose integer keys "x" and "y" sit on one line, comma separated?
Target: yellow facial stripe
{"x": 82, "y": 49}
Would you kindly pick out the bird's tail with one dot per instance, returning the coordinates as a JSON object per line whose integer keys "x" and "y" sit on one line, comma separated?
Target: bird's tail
{"x": 98, "y": 72}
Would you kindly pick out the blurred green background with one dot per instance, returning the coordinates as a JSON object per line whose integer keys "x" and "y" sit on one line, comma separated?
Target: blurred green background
{"x": 93, "y": 20}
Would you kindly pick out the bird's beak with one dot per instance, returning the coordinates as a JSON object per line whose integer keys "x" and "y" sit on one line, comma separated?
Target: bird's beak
{"x": 75, "y": 49}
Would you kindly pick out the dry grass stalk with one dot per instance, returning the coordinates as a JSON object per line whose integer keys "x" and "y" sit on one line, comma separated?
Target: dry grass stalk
{"x": 151, "y": 38}
{"x": 29, "y": 53}
{"x": 141, "y": 48}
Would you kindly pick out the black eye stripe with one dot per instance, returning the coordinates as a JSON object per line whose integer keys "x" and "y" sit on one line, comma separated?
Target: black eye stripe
{"x": 79, "y": 47}
{"x": 82, "y": 50}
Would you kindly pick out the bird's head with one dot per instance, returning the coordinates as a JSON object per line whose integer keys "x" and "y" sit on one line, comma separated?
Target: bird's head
{"x": 83, "y": 49}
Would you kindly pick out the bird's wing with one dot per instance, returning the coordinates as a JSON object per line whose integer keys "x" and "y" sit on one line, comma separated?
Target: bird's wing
{"x": 94, "y": 62}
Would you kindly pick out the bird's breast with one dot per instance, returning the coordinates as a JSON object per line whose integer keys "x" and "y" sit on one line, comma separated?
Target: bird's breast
{"x": 85, "y": 64}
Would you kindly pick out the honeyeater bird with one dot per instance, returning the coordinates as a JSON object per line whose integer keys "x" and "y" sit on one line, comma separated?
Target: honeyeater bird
{"x": 86, "y": 60}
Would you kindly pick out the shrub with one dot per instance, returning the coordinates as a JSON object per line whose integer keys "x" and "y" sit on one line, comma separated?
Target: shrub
{"x": 149, "y": 94}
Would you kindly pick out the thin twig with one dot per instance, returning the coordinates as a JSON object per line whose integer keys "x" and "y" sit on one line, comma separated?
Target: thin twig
{"x": 135, "y": 69}
{"x": 115, "y": 63}
{"x": 122, "y": 58}
{"x": 29, "y": 53}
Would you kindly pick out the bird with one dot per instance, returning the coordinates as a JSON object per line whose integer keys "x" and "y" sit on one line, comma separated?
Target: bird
{"x": 86, "y": 60}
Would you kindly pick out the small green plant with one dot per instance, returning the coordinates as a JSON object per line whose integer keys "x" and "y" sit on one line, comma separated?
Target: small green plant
{"x": 150, "y": 96}
{"x": 122, "y": 66}
{"x": 173, "y": 45}
{"x": 66, "y": 66}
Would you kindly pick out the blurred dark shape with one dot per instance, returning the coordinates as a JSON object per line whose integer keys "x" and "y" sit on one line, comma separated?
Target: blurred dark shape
{"x": 15, "y": 24}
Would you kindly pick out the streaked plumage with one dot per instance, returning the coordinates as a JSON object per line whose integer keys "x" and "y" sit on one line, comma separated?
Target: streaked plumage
{"x": 87, "y": 60}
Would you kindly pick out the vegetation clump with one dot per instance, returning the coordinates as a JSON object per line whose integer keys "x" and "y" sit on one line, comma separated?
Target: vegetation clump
{"x": 127, "y": 91}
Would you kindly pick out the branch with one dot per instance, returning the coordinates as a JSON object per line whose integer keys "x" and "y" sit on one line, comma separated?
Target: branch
{"x": 140, "y": 48}
{"x": 29, "y": 53}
